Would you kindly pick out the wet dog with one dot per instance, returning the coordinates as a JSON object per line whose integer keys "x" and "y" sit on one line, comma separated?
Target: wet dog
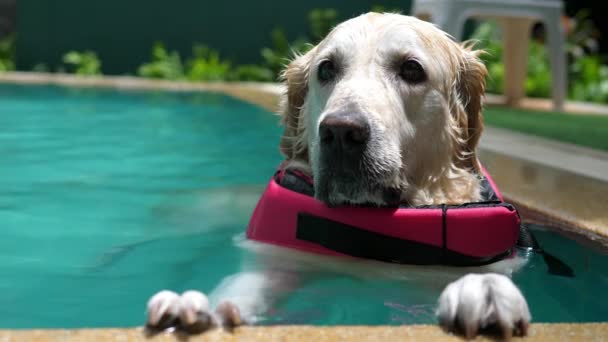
{"x": 385, "y": 111}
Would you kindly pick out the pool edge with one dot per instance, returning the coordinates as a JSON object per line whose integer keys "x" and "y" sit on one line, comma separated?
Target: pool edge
{"x": 261, "y": 94}
{"x": 537, "y": 332}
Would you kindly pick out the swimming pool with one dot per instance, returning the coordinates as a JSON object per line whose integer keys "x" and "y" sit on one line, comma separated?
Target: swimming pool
{"x": 109, "y": 196}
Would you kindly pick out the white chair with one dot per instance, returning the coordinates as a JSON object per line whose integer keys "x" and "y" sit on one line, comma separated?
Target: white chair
{"x": 516, "y": 18}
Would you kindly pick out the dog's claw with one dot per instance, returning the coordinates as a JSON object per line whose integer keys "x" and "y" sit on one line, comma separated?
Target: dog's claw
{"x": 192, "y": 305}
{"x": 229, "y": 314}
{"x": 194, "y": 313}
{"x": 203, "y": 323}
{"x": 163, "y": 310}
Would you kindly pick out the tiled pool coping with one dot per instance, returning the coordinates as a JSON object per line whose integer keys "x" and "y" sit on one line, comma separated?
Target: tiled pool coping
{"x": 531, "y": 186}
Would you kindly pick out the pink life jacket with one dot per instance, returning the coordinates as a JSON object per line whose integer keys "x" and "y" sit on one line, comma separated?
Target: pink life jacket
{"x": 476, "y": 233}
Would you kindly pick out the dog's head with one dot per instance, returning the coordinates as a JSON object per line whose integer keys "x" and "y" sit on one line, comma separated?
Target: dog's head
{"x": 384, "y": 104}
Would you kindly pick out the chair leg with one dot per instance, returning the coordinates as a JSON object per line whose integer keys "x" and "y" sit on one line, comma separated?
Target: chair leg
{"x": 557, "y": 55}
{"x": 441, "y": 13}
{"x": 454, "y": 25}
{"x": 516, "y": 35}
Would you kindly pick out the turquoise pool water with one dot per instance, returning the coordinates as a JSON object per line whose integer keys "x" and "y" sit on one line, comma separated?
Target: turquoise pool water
{"x": 108, "y": 196}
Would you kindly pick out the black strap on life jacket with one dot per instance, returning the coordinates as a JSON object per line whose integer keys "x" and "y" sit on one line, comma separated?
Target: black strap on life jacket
{"x": 555, "y": 266}
{"x": 357, "y": 242}
{"x": 362, "y": 243}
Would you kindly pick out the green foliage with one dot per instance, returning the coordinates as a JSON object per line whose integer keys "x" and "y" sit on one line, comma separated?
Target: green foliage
{"x": 538, "y": 80}
{"x": 586, "y": 68}
{"x": 582, "y": 38}
{"x": 164, "y": 64}
{"x": 587, "y": 75}
{"x": 83, "y": 63}
{"x": 487, "y": 39}
{"x": 383, "y": 9}
{"x": 206, "y": 65}
{"x": 277, "y": 56}
{"x": 7, "y": 53}
{"x": 591, "y": 79}
{"x": 321, "y": 21}
{"x": 251, "y": 73}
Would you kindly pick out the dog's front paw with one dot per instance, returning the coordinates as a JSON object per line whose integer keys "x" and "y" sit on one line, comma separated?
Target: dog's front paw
{"x": 194, "y": 315}
{"x": 189, "y": 313}
{"x": 229, "y": 314}
{"x": 163, "y": 310}
{"x": 483, "y": 302}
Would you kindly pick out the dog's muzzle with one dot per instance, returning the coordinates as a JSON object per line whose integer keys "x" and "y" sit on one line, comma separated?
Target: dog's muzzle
{"x": 344, "y": 137}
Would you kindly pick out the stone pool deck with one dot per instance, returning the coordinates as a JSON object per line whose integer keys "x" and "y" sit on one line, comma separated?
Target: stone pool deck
{"x": 538, "y": 332}
{"x": 552, "y": 183}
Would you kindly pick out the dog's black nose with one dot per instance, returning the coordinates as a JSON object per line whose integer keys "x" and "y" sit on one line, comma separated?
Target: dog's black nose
{"x": 344, "y": 132}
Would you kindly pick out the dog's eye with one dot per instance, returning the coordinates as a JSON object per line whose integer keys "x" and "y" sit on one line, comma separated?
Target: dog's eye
{"x": 327, "y": 71}
{"x": 412, "y": 72}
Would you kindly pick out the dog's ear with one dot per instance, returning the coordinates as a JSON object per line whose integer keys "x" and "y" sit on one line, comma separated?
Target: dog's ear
{"x": 293, "y": 142}
{"x": 470, "y": 89}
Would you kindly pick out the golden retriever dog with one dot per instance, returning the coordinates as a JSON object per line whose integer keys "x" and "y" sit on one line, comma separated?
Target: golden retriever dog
{"x": 385, "y": 111}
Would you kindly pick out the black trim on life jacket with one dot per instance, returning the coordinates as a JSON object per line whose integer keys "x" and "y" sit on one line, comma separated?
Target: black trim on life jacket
{"x": 555, "y": 266}
{"x": 293, "y": 181}
{"x": 357, "y": 242}
{"x": 361, "y": 243}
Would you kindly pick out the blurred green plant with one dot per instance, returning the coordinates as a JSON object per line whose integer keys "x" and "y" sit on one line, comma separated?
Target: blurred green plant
{"x": 277, "y": 56}
{"x": 320, "y": 22}
{"x": 164, "y": 64}
{"x": 587, "y": 74}
{"x": 590, "y": 79}
{"x": 251, "y": 73}
{"x": 487, "y": 38}
{"x": 7, "y": 53}
{"x": 583, "y": 35}
{"x": 587, "y": 69}
{"x": 206, "y": 65}
{"x": 538, "y": 80}
{"x": 85, "y": 63}
{"x": 382, "y": 9}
